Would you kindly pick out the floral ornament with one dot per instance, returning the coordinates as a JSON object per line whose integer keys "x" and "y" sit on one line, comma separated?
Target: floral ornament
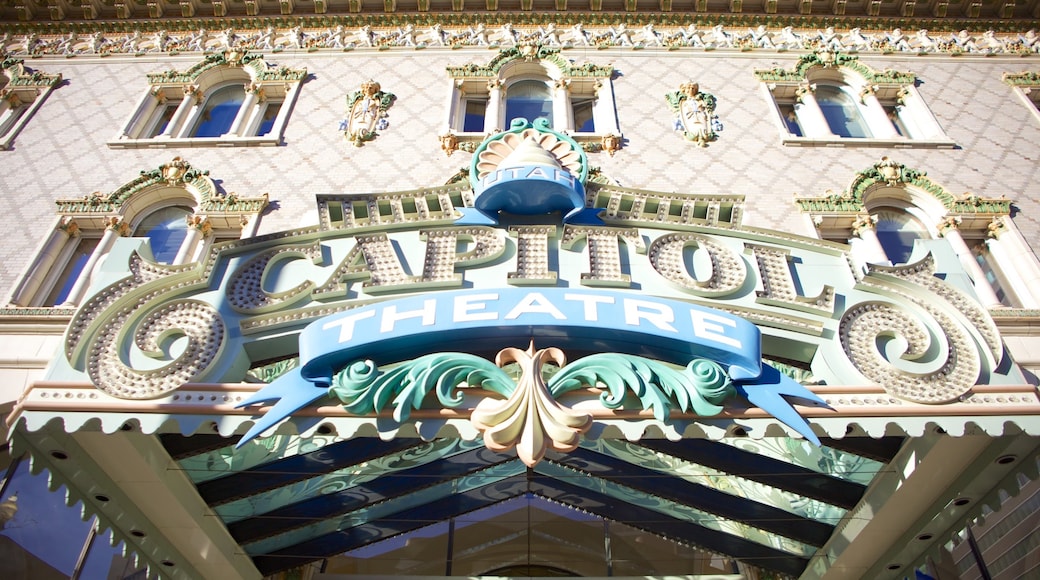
{"x": 695, "y": 114}
{"x": 366, "y": 113}
{"x": 701, "y": 387}
{"x": 530, "y": 419}
{"x": 364, "y": 389}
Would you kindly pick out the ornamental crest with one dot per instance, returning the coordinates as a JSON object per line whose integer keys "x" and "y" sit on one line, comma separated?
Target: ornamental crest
{"x": 366, "y": 113}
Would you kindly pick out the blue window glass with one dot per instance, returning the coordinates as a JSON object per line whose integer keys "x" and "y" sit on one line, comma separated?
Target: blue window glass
{"x": 73, "y": 270}
{"x": 267, "y": 121}
{"x": 841, "y": 112}
{"x": 529, "y": 100}
{"x": 40, "y": 537}
{"x": 473, "y": 121}
{"x": 165, "y": 230}
{"x": 221, "y": 108}
{"x": 584, "y": 121}
{"x": 897, "y": 231}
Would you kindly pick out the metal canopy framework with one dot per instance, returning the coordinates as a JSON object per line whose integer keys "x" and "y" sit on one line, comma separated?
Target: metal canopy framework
{"x": 711, "y": 495}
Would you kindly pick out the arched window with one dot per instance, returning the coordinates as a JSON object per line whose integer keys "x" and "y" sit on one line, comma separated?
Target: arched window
{"x": 529, "y": 100}
{"x": 485, "y": 99}
{"x": 23, "y": 92}
{"x": 166, "y": 230}
{"x": 832, "y": 97}
{"x": 157, "y": 206}
{"x": 841, "y": 111}
{"x": 220, "y": 111}
{"x": 231, "y": 98}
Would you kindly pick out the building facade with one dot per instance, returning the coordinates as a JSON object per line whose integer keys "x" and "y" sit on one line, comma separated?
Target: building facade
{"x": 330, "y": 290}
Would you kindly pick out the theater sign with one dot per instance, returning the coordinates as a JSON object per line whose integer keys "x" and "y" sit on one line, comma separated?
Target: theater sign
{"x": 533, "y": 306}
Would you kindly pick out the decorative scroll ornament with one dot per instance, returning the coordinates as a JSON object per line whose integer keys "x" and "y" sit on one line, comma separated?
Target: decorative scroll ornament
{"x": 930, "y": 358}
{"x": 366, "y": 113}
{"x": 695, "y": 114}
{"x": 720, "y": 352}
{"x": 530, "y": 419}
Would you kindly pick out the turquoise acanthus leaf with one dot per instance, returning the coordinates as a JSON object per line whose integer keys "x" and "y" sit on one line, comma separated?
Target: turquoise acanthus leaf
{"x": 701, "y": 387}
{"x": 364, "y": 389}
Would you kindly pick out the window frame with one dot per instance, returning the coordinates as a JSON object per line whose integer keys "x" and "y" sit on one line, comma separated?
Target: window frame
{"x": 214, "y": 216}
{"x": 876, "y": 95}
{"x": 22, "y": 93}
{"x": 568, "y": 85}
{"x": 188, "y": 92}
{"x": 891, "y": 186}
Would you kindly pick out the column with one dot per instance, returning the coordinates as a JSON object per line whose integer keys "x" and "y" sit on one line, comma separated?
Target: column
{"x": 866, "y": 247}
{"x": 253, "y": 94}
{"x": 605, "y": 116}
{"x": 1016, "y": 261}
{"x": 917, "y": 114}
{"x": 151, "y": 99}
{"x": 563, "y": 115}
{"x": 198, "y": 228}
{"x": 115, "y": 228}
{"x": 46, "y": 260}
{"x": 983, "y": 290}
{"x": 880, "y": 125}
{"x": 192, "y": 94}
{"x": 810, "y": 116}
{"x": 493, "y": 113}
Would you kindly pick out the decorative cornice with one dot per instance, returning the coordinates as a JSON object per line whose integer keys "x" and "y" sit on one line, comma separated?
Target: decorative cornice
{"x": 660, "y": 31}
{"x": 530, "y": 52}
{"x": 1025, "y": 79}
{"x": 228, "y": 58}
{"x": 177, "y": 173}
{"x": 828, "y": 59}
{"x": 25, "y": 18}
{"x": 892, "y": 174}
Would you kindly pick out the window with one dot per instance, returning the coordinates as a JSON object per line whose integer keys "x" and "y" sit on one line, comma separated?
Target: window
{"x": 176, "y": 207}
{"x": 232, "y": 98}
{"x": 831, "y": 98}
{"x": 888, "y": 210}
{"x": 166, "y": 230}
{"x": 528, "y": 100}
{"x": 22, "y": 91}
{"x": 841, "y": 112}
{"x": 577, "y": 100}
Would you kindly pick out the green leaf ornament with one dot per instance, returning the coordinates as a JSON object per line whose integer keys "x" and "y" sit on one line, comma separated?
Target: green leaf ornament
{"x": 702, "y": 386}
{"x": 363, "y": 388}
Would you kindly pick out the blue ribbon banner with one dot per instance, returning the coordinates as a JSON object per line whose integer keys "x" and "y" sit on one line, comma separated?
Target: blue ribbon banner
{"x": 485, "y": 321}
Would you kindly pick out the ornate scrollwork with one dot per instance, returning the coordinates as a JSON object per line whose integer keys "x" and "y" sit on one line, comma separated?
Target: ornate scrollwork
{"x": 199, "y": 322}
{"x": 932, "y": 360}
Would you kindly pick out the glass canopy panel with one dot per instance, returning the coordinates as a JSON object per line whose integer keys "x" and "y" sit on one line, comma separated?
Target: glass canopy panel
{"x": 341, "y": 479}
{"x": 226, "y": 460}
{"x": 825, "y": 460}
{"x": 418, "y": 553}
{"x": 382, "y": 509}
{"x": 675, "y": 510}
{"x": 528, "y": 535}
{"x": 634, "y": 552}
{"x": 719, "y": 480}
{"x": 528, "y": 531}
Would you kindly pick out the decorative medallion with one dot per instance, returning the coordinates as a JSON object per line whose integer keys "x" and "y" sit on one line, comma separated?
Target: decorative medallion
{"x": 695, "y": 114}
{"x": 366, "y": 113}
